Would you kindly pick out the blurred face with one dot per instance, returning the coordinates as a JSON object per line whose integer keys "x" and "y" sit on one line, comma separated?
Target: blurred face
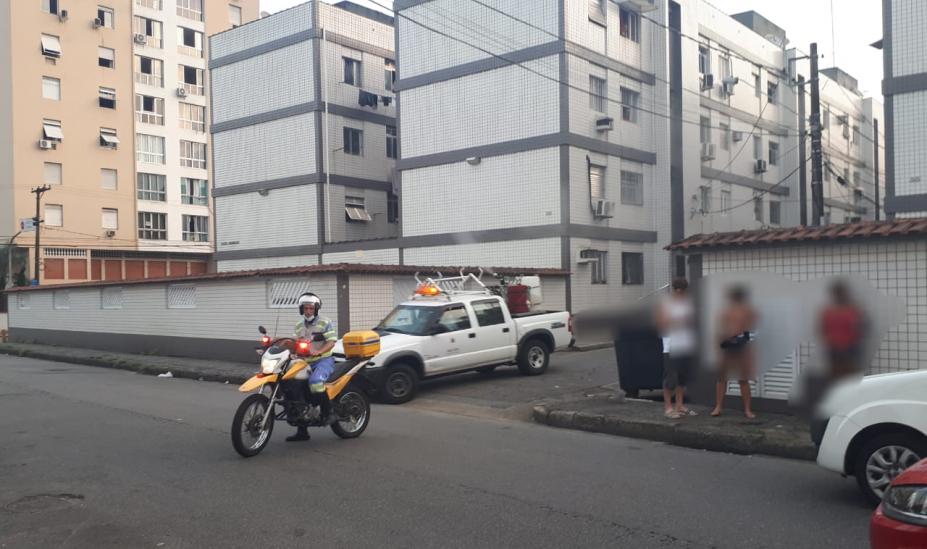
{"x": 309, "y": 310}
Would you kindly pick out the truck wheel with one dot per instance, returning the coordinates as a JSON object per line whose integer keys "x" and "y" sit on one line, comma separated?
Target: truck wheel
{"x": 533, "y": 358}
{"x": 399, "y": 384}
{"x": 883, "y": 458}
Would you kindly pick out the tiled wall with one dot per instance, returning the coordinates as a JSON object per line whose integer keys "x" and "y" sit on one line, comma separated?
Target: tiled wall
{"x": 272, "y": 150}
{"x": 388, "y": 256}
{"x": 371, "y": 299}
{"x": 538, "y": 253}
{"x": 587, "y": 295}
{"x": 285, "y": 217}
{"x": 281, "y": 25}
{"x": 908, "y": 41}
{"x": 625, "y": 216}
{"x": 229, "y": 265}
{"x": 910, "y": 140}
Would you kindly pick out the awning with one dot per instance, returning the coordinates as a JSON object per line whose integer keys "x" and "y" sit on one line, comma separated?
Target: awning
{"x": 51, "y": 45}
{"x": 357, "y": 214}
{"x": 109, "y": 138}
{"x": 52, "y": 131}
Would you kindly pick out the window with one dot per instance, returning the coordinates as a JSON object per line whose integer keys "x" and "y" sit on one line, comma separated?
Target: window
{"x": 597, "y": 8}
{"x": 488, "y": 313}
{"x": 149, "y": 109}
{"x": 108, "y": 138}
{"x": 191, "y": 9}
{"x": 149, "y": 148}
{"x": 389, "y": 75}
{"x": 151, "y": 186}
{"x": 632, "y": 188}
{"x": 50, "y": 6}
{"x": 455, "y": 318}
{"x": 392, "y": 142}
{"x": 54, "y": 215}
{"x": 110, "y": 219}
{"x": 196, "y": 228}
{"x": 192, "y": 154}
{"x": 191, "y": 78}
{"x": 772, "y": 91}
{"x": 105, "y": 15}
{"x": 597, "y": 94}
{"x": 51, "y": 46}
{"x": 189, "y": 42}
{"x": 758, "y": 208}
{"x": 107, "y": 57}
{"x": 194, "y": 191}
{"x": 629, "y": 24}
{"x": 51, "y": 88}
{"x": 856, "y": 177}
{"x": 596, "y": 181}
{"x": 352, "y": 72}
{"x": 773, "y": 153}
{"x": 598, "y": 263}
{"x": 181, "y": 296}
{"x": 111, "y": 298}
{"x": 704, "y": 199}
{"x": 725, "y": 201}
{"x": 857, "y": 197}
{"x": 724, "y": 67}
{"x": 51, "y": 173}
{"x": 392, "y": 207}
{"x": 757, "y": 147}
{"x": 152, "y": 226}
{"x": 630, "y": 101}
{"x": 725, "y": 137}
{"x": 704, "y": 129}
{"x": 855, "y": 134}
{"x": 150, "y": 4}
{"x": 355, "y": 209}
{"x": 107, "y": 98}
{"x": 61, "y": 299}
{"x": 193, "y": 117}
{"x": 234, "y": 16}
{"x": 632, "y": 268}
{"x": 149, "y": 72}
{"x": 704, "y": 61}
{"x": 108, "y": 179}
{"x": 353, "y": 141}
{"x": 51, "y": 129}
{"x": 846, "y": 176}
{"x": 757, "y": 84}
{"x": 775, "y": 213}
{"x": 149, "y": 28}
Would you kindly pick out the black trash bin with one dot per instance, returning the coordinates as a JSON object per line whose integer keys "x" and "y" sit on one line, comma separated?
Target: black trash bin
{"x": 639, "y": 352}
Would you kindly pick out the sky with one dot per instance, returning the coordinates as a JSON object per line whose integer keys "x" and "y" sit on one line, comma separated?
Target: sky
{"x": 856, "y": 24}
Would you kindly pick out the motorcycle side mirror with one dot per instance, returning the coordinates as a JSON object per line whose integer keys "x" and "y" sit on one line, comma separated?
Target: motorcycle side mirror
{"x": 262, "y": 330}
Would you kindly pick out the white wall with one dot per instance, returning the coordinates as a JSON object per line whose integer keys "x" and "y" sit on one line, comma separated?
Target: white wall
{"x": 537, "y": 253}
{"x": 279, "y": 25}
{"x": 229, "y": 265}
{"x": 272, "y": 150}
{"x": 285, "y": 217}
{"x": 387, "y": 256}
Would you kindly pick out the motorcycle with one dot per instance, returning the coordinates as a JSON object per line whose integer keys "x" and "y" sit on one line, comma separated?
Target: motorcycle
{"x": 283, "y": 395}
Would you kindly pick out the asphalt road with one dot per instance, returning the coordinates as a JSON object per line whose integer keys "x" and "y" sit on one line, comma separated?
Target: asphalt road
{"x": 103, "y": 458}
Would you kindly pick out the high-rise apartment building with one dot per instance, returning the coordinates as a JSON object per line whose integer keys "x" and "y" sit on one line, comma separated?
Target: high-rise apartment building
{"x": 106, "y": 103}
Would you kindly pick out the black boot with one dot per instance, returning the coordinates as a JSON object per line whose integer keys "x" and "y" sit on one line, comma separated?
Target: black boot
{"x": 325, "y": 406}
{"x": 301, "y": 434}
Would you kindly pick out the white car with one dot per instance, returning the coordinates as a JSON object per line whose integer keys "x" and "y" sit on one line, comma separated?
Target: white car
{"x": 873, "y": 429}
{"x": 450, "y": 332}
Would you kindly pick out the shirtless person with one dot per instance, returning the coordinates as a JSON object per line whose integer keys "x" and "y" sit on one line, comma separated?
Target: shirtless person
{"x": 737, "y": 321}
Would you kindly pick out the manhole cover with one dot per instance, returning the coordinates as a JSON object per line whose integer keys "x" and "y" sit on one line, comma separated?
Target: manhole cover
{"x": 43, "y": 502}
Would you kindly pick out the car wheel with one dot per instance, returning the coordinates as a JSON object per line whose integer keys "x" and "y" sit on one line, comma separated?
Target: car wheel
{"x": 883, "y": 458}
{"x": 533, "y": 358}
{"x": 399, "y": 384}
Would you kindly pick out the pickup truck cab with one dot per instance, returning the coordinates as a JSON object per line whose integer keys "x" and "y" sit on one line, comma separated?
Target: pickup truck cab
{"x": 442, "y": 332}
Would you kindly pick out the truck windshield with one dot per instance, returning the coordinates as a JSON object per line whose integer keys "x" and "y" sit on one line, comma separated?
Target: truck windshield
{"x": 411, "y": 320}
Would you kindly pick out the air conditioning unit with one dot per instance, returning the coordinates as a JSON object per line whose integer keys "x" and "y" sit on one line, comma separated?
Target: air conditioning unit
{"x": 47, "y": 144}
{"x": 97, "y": 23}
{"x": 109, "y": 233}
{"x": 580, "y": 260}
{"x": 63, "y": 15}
{"x": 708, "y": 81}
{"x": 602, "y": 208}
{"x": 760, "y": 166}
{"x": 708, "y": 151}
{"x": 181, "y": 92}
{"x": 727, "y": 85}
{"x": 139, "y": 38}
{"x": 605, "y": 124}
{"x": 737, "y": 136}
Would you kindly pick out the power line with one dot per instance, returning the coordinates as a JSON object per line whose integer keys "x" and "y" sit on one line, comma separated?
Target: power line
{"x": 758, "y": 194}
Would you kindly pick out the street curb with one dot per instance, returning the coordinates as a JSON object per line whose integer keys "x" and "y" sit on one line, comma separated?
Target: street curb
{"x": 591, "y": 347}
{"x": 118, "y": 363}
{"x": 678, "y": 435}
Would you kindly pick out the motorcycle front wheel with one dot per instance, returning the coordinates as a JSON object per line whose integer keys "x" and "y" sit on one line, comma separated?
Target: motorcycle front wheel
{"x": 249, "y": 437}
{"x": 353, "y": 409}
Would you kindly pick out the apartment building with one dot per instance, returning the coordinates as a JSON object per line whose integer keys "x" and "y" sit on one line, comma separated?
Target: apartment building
{"x": 905, "y": 90}
{"x": 105, "y": 102}
{"x": 305, "y": 140}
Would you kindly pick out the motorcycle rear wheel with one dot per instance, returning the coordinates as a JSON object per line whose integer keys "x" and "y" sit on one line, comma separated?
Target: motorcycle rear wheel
{"x": 354, "y": 406}
{"x": 248, "y": 437}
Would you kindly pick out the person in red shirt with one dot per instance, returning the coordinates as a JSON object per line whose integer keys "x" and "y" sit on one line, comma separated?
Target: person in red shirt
{"x": 842, "y": 327}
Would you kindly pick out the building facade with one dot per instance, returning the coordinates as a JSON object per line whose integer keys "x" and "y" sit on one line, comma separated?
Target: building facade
{"x": 304, "y": 132}
{"x": 905, "y": 90}
{"x": 91, "y": 105}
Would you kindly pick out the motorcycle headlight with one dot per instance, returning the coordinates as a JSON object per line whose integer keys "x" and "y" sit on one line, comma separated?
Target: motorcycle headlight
{"x": 906, "y": 504}
{"x": 269, "y": 365}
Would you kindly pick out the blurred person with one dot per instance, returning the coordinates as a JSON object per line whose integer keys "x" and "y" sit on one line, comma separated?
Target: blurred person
{"x": 676, "y": 322}
{"x": 842, "y": 328}
{"x": 737, "y": 355}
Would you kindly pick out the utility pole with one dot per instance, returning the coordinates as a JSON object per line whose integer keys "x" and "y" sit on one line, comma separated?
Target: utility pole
{"x": 802, "y": 161}
{"x": 38, "y": 192}
{"x": 875, "y": 160}
{"x": 817, "y": 185}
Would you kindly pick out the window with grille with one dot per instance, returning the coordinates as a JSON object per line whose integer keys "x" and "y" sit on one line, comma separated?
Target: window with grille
{"x": 149, "y": 148}
{"x": 596, "y": 181}
{"x": 353, "y": 141}
{"x": 152, "y": 226}
{"x": 181, "y": 296}
{"x": 111, "y": 298}
{"x": 192, "y": 154}
{"x": 192, "y": 117}
{"x": 191, "y": 9}
{"x": 599, "y": 265}
{"x": 149, "y": 72}
{"x": 196, "y": 228}
{"x": 630, "y": 101}
{"x": 629, "y": 24}
{"x": 392, "y": 142}
{"x": 151, "y": 186}
{"x": 632, "y": 268}
{"x": 597, "y": 94}
{"x": 352, "y": 72}
{"x": 62, "y": 299}
{"x": 194, "y": 191}
{"x": 632, "y": 188}
{"x": 283, "y": 293}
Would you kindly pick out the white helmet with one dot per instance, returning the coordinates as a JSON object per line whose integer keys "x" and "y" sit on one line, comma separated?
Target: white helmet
{"x": 309, "y": 298}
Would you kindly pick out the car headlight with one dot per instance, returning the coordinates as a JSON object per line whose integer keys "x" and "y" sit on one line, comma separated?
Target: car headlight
{"x": 906, "y": 503}
{"x": 269, "y": 365}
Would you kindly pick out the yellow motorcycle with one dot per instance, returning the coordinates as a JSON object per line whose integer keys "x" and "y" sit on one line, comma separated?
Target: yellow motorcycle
{"x": 283, "y": 391}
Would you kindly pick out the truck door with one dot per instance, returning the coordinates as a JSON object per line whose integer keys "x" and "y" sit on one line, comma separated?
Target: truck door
{"x": 495, "y": 334}
{"x": 452, "y": 348}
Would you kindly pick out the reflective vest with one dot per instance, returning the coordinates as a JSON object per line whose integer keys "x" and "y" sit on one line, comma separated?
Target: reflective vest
{"x": 321, "y": 325}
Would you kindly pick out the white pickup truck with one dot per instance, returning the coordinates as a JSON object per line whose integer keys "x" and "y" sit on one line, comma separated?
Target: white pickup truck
{"x": 449, "y": 332}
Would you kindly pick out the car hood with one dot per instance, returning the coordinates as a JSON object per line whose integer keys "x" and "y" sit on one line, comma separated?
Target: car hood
{"x": 892, "y": 386}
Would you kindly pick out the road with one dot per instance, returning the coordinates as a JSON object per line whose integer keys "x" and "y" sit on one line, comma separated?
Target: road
{"x": 103, "y": 458}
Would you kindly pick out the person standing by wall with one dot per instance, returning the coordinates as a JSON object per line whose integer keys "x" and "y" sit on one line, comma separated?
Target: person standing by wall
{"x": 676, "y": 322}
{"x": 737, "y": 321}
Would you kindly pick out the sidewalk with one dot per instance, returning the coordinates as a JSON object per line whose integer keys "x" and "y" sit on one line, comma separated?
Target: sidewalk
{"x": 605, "y": 411}
{"x": 189, "y": 368}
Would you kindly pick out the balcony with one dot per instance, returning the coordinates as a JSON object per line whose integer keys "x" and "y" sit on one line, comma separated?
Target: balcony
{"x": 188, "y": 13}
{"x": 189, "y": 50}
{"x": 149, "y": 79}
{"x": 145, "y": 117}
{"x": 193, "y": 89}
